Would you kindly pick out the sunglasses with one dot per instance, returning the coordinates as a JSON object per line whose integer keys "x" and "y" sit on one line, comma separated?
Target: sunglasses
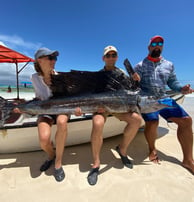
{"x": 154, "y": 44}
{"x": 50, "y": 57}
{"x": 114, "y": 55}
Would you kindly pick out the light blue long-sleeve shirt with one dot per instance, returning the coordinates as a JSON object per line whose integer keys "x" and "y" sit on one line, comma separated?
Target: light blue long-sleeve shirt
{"x": 155, "y": 76}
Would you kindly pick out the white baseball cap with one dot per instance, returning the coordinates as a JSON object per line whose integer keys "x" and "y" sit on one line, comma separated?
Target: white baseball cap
{"x": 108, "y": 49}
{"x": 44, "y": 52}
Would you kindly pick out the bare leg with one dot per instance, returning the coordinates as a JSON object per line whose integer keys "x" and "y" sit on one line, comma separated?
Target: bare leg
{"x": 60, "y": 138}
{"x": 133, "y": 123}
{"x": 150, "y": 132}
{"x": 44, "y": 130}
{"x": 96, "y": 138}
{"x": 185, "y": 137}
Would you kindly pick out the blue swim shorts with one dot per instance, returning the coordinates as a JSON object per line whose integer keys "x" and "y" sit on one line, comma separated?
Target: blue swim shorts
{"x": 168, "y": 112}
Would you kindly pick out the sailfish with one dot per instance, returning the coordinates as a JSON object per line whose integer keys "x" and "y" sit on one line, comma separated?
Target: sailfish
{"x": 114, "y": 91}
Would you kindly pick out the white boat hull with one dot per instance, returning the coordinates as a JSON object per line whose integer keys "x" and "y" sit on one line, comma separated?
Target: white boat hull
{"x": 26, "y": 139}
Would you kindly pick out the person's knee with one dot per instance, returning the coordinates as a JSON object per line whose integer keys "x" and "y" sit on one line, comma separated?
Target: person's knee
{"x": 188, "y": 121}
{"x": 134, "y": 118}
{"x": 98, "y": 121}
{"x": 137, "y": 118}
{"x": 62, "y": 122}
{"x": 185, "y": 122}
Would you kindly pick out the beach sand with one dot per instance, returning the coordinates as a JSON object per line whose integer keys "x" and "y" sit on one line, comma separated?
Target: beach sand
{"x": 21, "y": 180}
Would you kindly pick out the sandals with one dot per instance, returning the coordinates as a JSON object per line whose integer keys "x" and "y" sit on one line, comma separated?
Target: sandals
{"x": 47, "y": 164}
{"x": 59, "y": 174}
{"x": 124, "y": 159}
{"x": 93, "y": 176}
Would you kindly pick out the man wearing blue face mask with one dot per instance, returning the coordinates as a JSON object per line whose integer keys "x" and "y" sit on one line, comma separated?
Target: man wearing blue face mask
{"x": 155, "y": 74}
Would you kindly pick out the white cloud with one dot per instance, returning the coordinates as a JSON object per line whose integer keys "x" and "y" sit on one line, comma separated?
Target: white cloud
{"x": 8, "y": 73}
{"x": 15, "y": 40}
{"x": 1, "y": 43}
{"x": 8, "y": 70}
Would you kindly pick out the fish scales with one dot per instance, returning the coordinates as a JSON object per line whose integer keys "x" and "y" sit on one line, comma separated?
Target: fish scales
{"x": 112, "y": 102}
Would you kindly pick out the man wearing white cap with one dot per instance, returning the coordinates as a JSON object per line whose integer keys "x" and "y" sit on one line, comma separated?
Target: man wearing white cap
{"x": 133, "y": 121}
{"x": 155, "y": 74}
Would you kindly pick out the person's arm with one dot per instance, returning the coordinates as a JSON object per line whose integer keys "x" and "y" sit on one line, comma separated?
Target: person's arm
{"x": 172, "y": 82}
{"x": 175, "y": 85}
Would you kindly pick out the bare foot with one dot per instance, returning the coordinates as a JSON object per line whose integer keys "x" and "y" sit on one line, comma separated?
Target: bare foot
{"x": 154, "y": 157}
{"x": 189, "y": 166}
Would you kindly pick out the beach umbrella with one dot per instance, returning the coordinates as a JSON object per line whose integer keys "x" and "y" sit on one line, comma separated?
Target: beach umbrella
{"x": 25, "y": 83}
{"x": 8, "y": 55}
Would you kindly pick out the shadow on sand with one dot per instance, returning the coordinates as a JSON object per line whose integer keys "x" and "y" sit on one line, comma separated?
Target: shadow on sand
{"x": 81, "y": 155}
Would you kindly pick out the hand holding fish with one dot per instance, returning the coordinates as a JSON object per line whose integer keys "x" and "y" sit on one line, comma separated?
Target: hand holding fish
{"x": 136, "y": 77}
{"x": 187, "y": 89}
{"x": 17, "y": 110}
{"x": 78, "y": 111}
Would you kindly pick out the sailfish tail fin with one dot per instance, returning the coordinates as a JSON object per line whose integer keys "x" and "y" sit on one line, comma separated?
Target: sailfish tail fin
{"x": 5, "y": 110}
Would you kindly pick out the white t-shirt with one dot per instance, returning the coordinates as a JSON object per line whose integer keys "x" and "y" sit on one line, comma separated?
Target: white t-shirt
{"x": 42, "y": 91}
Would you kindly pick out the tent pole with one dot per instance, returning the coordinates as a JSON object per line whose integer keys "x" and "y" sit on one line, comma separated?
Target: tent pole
{"x": 23, "y": 67}
{"x": 17, "y": 84}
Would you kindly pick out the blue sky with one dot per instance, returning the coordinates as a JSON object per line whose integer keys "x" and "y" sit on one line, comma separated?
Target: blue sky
{"x": 80, "y": 29}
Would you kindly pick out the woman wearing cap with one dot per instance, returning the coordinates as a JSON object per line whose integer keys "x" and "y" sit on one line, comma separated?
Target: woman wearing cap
{"x": 45, "y": 60}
